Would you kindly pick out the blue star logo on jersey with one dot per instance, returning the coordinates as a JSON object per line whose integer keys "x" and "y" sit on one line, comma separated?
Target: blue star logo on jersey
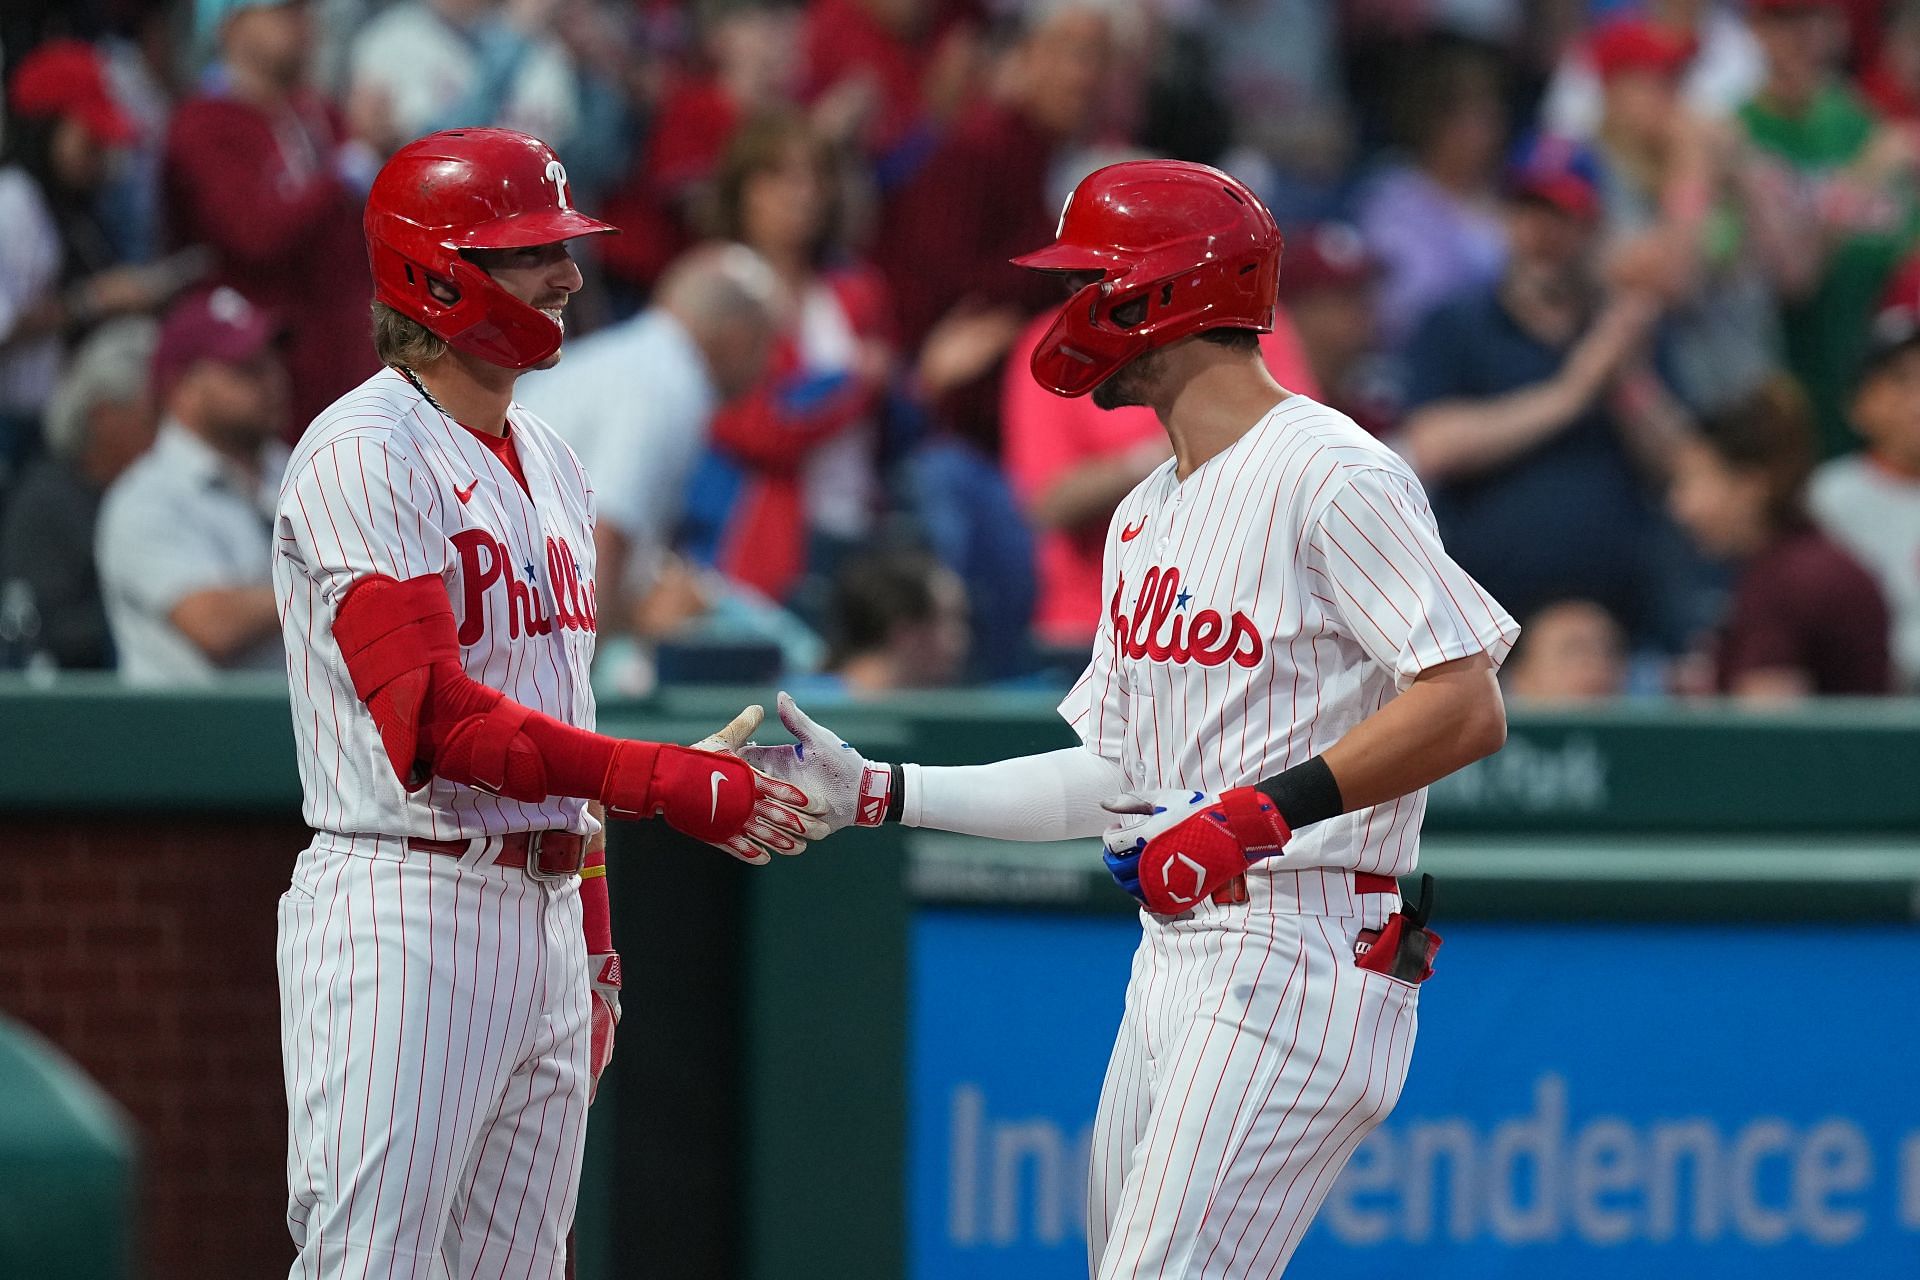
{"x": 1180, "y": 601}
{"x": 533, "y": 574}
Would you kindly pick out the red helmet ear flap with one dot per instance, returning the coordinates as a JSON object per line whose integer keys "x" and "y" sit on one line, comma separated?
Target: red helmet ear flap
{"x": 491, "y": 323}
{"x": 483, "y": 319}
{"x": 1082, "y": 347}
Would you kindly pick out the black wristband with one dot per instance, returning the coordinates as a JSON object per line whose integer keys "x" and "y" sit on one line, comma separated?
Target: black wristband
{"x": 896, "y": 793}
{"x": 1304, "y": 794}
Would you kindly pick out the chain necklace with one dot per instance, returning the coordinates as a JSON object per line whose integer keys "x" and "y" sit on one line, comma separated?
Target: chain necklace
{"x": 421, "y": 387}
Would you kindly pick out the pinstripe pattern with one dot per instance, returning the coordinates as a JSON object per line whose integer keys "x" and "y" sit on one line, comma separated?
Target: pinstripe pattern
{"x": 1254, "y": 1055}
{"x": 1322, "y": 538}
{"x": 434, "y": 1034}
{"x": 434, "y": 1010}
{"x": 374, "y": 488}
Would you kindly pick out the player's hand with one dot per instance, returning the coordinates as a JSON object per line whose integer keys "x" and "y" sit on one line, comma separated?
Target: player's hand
{"x": 605, "y": 969}
{"x": 849, "y": 789}
{"x": 717, "y": 797}
{"x": 734, "y": 738}
{"x": 1185, "y": 846}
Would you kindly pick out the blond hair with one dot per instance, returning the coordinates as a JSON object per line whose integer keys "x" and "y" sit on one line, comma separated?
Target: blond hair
{"x": 403, "y": 341}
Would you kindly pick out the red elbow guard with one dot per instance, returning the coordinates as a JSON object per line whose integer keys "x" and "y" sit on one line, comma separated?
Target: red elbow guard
{"x": 402, "y": 652}
{"x": 391, "y": 635}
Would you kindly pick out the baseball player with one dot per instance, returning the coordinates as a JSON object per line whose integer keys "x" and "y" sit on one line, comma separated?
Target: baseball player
{"x": 448, "y": 983}
{"x": 1287, "y": 659}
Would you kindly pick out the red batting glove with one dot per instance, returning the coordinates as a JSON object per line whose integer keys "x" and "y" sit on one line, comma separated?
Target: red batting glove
{"x": 1190, "y": 845}
{"x": 712, "y": 797}
{"x": 606, "y": 1010}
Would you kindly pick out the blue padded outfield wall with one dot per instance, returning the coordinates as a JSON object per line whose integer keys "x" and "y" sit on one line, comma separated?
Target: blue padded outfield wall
{"x": 1598, "y": 1101}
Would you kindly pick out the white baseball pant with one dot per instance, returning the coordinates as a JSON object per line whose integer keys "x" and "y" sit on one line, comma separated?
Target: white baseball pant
{"x": 1253, "y": 1057}
{"x": 434, "y": 1032}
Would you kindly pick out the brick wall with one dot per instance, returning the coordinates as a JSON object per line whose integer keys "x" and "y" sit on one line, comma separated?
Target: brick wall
{"x": 143, "y": 947}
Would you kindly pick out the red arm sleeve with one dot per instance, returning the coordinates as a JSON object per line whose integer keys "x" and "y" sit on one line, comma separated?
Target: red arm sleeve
{"x": 401, "y": 650}
{"x": 596, "y": 915}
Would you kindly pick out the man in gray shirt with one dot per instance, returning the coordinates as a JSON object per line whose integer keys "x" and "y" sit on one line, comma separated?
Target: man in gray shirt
{"x": 185, "y": 544}
{"x": 97, "y": 423}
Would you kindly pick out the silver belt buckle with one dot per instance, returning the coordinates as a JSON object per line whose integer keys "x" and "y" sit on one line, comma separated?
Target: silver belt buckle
{"x": 536, "y": 872}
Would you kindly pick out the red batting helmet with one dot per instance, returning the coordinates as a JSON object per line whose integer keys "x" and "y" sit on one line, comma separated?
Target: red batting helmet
{"x": 1180, "y": 248}
{"x": 470, "y": 189}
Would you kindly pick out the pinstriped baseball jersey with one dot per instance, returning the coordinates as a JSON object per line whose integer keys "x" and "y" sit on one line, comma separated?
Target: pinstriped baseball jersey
{"x": 1261, "y": 608}
{"x": 383, "y": 483}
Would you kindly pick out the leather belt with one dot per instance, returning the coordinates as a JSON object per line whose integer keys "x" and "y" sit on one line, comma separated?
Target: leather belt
{"x": 1234, "y": 892}
{"x": 556, "y": 855}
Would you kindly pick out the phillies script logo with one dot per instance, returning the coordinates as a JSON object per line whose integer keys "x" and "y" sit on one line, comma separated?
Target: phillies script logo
{"x": 1162, "y": 629}
{"x": 485, "y": 560}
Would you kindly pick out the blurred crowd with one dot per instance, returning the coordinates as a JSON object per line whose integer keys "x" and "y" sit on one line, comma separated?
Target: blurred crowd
{"x": 1633, "y": 284}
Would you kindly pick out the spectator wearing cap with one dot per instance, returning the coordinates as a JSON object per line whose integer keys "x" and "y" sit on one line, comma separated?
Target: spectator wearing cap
{"x": 185, "y": 544}
{"x": 260, "y": 169}
{"x": 1805, "y": 617}
{"x": 1070, "y": 462}
{"x": 1328, "y": 282}
{"x": 1433, "y": 219}
{"x": 1678, "y": 223}
{"x": 1869, "y": 502}
{"x": 1518, "y": 417}
{"x": 58, "y": 270}
{"x": 98, "y": 421}
{"x": 1722, "y": 69}
{"x": 1850, "y": 178}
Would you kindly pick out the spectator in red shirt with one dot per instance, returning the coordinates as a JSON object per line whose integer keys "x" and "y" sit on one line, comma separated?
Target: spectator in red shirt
{"x": 983, "y": 197}
{"x": 1805, "y": 618}
{"x": 260, "y": 169}
{"x": 803, "y": 440}
{"x": 891, "y": 72}
{"x": 1071, "y": 462}
{"x": 748, "y": 63}
{"x": 1892, "y": 83}
{"x": 983, "y": 193}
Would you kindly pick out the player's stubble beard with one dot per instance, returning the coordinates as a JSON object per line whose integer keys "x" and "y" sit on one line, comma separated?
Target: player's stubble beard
{"x": 555, "y": 310}
{"x": 1129, "y": 385}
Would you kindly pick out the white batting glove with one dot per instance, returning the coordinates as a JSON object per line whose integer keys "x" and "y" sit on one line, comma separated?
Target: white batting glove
{"x": 844, "y": 787}
{"x": 780, "y": 824}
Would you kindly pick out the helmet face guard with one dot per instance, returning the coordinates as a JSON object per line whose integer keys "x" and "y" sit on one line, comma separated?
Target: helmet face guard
{"x": 461, "y": 190}
{"x": 1179, "y": 249}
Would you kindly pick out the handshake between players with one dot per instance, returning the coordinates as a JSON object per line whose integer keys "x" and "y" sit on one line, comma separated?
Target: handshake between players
{"x": 1169, "y": 848}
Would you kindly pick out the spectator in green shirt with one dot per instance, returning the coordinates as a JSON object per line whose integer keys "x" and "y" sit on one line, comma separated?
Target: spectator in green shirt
{"x": 1849, "y": 178}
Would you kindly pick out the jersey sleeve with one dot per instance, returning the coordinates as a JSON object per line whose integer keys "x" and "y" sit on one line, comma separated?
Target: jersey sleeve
{"x": 1375, "y": 563}
{"x": 358, "y": 507}
{"x": 1096, "y": 706}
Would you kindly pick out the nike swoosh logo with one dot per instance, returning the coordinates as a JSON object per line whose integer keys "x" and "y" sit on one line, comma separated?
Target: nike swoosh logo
{"x": 718, "y": 778}
{"x": 1128, "y": 535}
{"x": 464, "y": 494}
